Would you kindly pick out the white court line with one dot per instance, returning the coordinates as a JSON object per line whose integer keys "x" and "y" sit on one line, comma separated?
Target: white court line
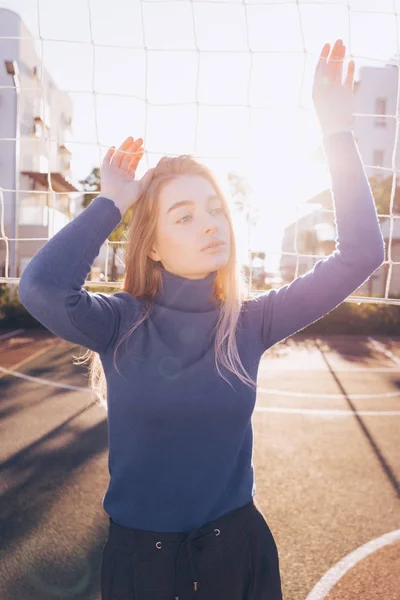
{"x": 331, "y": 577}
{"x": 382, "y": 348}
{"x": 299, "y": 411}
{"x": 328, "y": 412}
{"x": 65, "y": 386}
{"x": 327, "y": 396}
{"x": 292, "y": 369}
{"x": 5, "y": 336}
{"x": 310, "y": 411}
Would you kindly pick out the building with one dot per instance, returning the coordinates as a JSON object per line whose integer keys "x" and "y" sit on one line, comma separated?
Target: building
{"x": 32, "y": 112}
{"x": 375, "y": 133}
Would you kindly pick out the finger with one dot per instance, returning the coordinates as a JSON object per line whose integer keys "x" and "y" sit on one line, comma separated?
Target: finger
{"x": 137, "y": 147}
{"x": 335, "y": 48}
{"x": 325, "y": 52}
{"x": 126, "y": 143}
{"x": 137, "y": 158}
{"x": 350, "y": 74}
{"x": 336, "y": 61}
{"x": 339, "y": 66}
{"x": 134, "y": 164}
{"x": 126, "y": 158}
{"x": 120, "y": 152}
{"x": 109, "y": 154}
{"x": 132, "y": 156}
{"x": 126, "y": 155}
{"x": 321, "y": 69}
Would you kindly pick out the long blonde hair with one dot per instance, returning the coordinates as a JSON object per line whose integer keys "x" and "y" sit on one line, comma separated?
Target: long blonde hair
{"x": 143, "y": 277}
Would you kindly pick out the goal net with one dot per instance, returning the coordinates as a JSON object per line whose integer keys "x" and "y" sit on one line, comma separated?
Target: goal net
{"x": 229, "y": 81}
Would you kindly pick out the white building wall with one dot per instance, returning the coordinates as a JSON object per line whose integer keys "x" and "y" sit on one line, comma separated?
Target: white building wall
{"x": 34, "y": 152}
{"x": 9, "y": 25}
{"x": 376, "y": 93}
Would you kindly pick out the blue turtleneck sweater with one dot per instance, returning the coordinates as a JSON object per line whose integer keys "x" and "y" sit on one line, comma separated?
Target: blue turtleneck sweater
{"x": 180, "y": 437}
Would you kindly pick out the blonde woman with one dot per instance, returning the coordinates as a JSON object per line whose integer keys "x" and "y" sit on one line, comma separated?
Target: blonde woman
{"x": 174, "y": 356}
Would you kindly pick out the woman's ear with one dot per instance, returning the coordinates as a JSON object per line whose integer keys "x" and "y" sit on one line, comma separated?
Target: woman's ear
{"x": 153, "y": 254}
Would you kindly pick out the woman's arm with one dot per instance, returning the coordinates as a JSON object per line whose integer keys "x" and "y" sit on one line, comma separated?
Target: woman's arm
{"x": 360, "y": 247}
{"x": 51, "y": 285}
{"x": 360, "y": 250}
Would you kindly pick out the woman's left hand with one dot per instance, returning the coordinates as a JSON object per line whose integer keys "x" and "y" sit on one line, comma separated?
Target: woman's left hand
{"x": 334, "y": 100}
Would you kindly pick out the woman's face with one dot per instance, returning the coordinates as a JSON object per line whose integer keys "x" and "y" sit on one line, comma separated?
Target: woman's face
{"x": 183, "y": 230}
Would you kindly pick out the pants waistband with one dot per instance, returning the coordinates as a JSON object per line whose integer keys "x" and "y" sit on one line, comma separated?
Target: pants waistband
{"x": 139, "y": 540}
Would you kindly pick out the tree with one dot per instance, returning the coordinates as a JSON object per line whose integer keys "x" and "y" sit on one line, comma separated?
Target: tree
{"x": 381, "y": 190}
{"x": 242, "y": 200}
{"x": 91, "y": 186}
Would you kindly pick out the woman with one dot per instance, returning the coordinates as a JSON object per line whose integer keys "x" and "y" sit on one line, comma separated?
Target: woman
{"x": 180, "y": 389}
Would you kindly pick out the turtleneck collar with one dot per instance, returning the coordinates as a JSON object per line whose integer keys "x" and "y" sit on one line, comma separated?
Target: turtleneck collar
{"x": 180, "y": 293}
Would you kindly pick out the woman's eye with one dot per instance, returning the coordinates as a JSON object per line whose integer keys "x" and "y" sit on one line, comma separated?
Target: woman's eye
{"x": 217, "y": 209}
{"x": 183, "y": 218}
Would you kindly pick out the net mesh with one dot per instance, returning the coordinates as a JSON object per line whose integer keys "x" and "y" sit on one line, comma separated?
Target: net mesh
{"x": 243, "y": 60}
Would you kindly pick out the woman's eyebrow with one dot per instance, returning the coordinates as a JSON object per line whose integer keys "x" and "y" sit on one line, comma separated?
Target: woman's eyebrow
{"x": 186, "y": 202}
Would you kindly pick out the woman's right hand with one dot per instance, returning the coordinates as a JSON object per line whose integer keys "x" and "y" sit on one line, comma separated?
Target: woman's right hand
{"x": 117, "y": 174}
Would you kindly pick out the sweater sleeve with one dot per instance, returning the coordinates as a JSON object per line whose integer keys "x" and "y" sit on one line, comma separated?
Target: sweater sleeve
{"x": 51, "y": 289}
{"x": 360, "y": 250}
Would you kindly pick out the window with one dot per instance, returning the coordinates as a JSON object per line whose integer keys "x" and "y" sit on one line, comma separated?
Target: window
{"x": 33, "y": 210}
{"x": 380, "y": 109}
{"x": 42, "y": 110}
{"x": 38, "y": 128}
{"x": 380, "y": 104}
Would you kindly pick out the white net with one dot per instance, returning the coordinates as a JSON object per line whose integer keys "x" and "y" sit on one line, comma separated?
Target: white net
{"x": 228, "y": 81}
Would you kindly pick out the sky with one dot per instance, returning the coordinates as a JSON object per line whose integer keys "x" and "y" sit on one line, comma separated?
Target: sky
{"x": 199, "y": 54}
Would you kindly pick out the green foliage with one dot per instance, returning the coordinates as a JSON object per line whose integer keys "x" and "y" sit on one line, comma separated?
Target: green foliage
{"x": 12, "y": 312}
{"x": 364, "y": 319}
{"x": 382, "y": 190}
{"x": 348, "y": 318}
{"x": 92, "y": 185}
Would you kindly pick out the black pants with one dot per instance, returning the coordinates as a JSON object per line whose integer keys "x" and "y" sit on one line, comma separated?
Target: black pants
{"x": 232, "y": 558}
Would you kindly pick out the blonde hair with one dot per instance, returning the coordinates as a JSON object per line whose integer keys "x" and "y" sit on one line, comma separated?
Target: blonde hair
{"x": 143, "y": 277}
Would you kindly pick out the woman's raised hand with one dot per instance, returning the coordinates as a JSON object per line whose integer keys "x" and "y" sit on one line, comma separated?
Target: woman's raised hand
{"x": 118, "y": 171}
{"x": 333, "y": 99}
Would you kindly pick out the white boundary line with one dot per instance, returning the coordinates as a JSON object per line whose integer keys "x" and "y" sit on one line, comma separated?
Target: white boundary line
{"x": 328, "y": 411}
{"x": 23, "y": 362}
{"x": 298, "y": 411}
{"x": 65, "y": 386}
{"x": 330, "y": 396}
{"x": 301, "y": 368}
{"x": 272, "y": 409}
{"x": 382, "y": 348}
{"x": 5, "y": 336}
{"x": 331, "y": 577}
